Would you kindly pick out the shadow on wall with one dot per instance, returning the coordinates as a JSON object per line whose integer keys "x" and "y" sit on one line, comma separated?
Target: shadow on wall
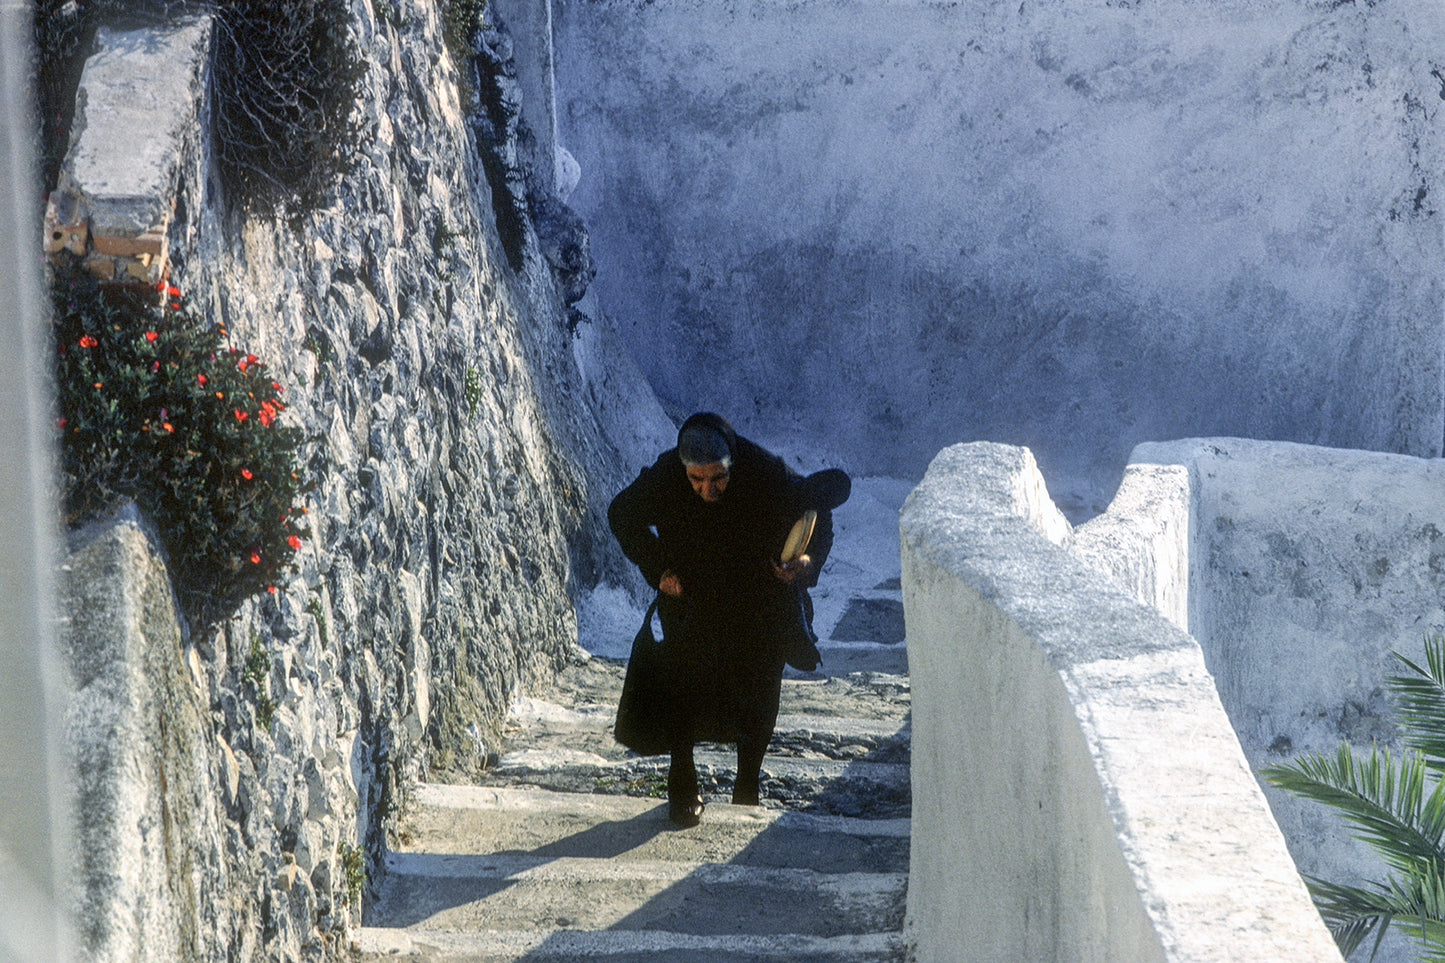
{"x": 1068, "y": 227}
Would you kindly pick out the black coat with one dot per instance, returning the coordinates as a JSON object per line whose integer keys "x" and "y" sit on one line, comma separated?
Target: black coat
{"x": 724, "y": 638}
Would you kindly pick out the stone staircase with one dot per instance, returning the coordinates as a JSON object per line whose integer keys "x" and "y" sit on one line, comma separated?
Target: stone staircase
{"x": 565, "y": 852}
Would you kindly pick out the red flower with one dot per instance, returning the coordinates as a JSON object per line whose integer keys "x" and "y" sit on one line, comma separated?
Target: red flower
{"x": 151, "y": 336}
{"x": 240, "y": 415}
{"x": 200, "y": 379}
{"x": 267, "y": 414}
{"x": 255, "y": 556}
{"x": 249, "y": 359}
{"x": 246, "y": 474}
{"x": 60, "y": 423}
{"x": 271, "y": 589}
{"x": 86, "y": 341}
{"x": 167, "y": 426}
{"x": 293, "y": 541}
{"x": 276, "y": 386}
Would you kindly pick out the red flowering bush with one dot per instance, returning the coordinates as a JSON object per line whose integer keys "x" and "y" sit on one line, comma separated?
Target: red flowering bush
{"x": 156, "y": 407}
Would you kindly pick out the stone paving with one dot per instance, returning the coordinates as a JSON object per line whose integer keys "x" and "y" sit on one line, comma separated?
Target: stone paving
{"x": 563, "y": 851}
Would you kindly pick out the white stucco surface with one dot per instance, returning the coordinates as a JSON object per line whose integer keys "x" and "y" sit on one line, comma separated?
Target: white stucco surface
{"x": 1142, "y": 541}
{"x": 1308, "y": 567}
{"x": 1072, "y": 226}
{"x": 1100, "y": 807}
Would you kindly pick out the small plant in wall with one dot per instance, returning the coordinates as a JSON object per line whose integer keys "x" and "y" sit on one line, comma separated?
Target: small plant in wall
{"x": 353, "y": 867}
{"x": 258, "y": 674}
{"x": 156, "y": 406}
{"x": 1396, "y": 803}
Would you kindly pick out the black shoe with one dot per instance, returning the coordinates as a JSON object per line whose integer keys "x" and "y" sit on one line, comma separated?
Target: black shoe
{"x": 687, "y": 813}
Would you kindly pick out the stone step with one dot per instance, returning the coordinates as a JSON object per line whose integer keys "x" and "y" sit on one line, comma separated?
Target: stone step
{"x": 819, "y": 770}
{"x": 621, "y": 946}
{"x": 585, "y": 738}
{"x": 472, "y": 820}
{"x": 539, "y": 715}
{"x": 507, "y": 892}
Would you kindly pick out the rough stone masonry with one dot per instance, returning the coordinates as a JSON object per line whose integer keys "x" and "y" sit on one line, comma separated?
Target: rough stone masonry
{"x": 238, "y": 780}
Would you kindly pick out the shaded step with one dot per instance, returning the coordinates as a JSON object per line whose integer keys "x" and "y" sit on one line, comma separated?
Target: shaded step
{"x": 842, "y": 658}
{"x": 586, "y": 737}
{"x": 621, "y": 946}
{"x": 820, "y": 770}
{"x": 707, "y": 899}
{"x": 471, "y": 820}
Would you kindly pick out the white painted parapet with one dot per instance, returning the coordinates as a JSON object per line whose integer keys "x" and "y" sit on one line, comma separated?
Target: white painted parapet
{"x": 1308, "y": 567}
{"x": 1078, "y": 793}
{"x": 1142, "y": 541}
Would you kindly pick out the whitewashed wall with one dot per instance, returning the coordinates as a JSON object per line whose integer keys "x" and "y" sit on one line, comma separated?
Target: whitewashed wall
{"x": 1078, "y": 793}
{"x": 1072, "y": 226}
{"x": 1308, "y": 567}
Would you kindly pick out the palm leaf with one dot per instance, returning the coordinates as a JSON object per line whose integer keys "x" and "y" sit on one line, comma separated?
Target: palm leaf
{"x": 1415, "y": 904}
{"x": 1382, "y": 797}
{"x": 1421, "y": 701}
{"x": 1396, "y": 810}
{"x": 1352, "y": 913}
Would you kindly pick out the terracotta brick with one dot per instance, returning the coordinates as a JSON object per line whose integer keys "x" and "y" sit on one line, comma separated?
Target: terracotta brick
{"x": 152, "y": 242}
{"x": 143, "y": 268}
{"x": 101, "y": 267}
{"x": 62, "y": 235}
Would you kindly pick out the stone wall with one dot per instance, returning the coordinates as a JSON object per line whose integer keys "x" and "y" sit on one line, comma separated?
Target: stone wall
{"x": 1072, "y": 226}
{"x": 462, "y": 469}
{"x": 1100, "y": 807}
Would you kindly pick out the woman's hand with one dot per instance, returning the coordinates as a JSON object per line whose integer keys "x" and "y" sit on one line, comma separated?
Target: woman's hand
{"x": 670, "y": 584}
{"x": 791, "y": 571}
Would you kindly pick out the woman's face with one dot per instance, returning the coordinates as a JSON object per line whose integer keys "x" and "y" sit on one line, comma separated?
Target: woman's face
{"x": 709, "y": 481}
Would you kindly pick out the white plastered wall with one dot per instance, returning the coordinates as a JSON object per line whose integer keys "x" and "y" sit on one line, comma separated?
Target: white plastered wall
{"x": 1078, "y": 791}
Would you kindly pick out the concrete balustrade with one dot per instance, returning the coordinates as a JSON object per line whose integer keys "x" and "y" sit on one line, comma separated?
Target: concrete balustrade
{"x": 1078, "y": 791}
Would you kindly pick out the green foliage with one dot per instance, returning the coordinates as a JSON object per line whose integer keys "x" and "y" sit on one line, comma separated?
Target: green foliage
{"x": 472, "y": 390}
{"x": 258, "y": 672}
{"x": 353, "y": 866}
{"x": 386, "y": 12}
{"x": 318, "y": 612}
{"x": 1396, "y": 805}
{"x": 284, "y": 88}
{"x": 462, "y": 19}
{"x": 155, "y": 407}
{"x": 651, "y": 784}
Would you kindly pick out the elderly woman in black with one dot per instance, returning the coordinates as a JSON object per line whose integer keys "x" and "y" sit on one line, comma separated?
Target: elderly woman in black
{"x": 706, "y": 525}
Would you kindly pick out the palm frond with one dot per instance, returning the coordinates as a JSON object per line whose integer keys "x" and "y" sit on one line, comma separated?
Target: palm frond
{"x": 1415, "y": 903}
{"x": 1397, "y": 806}
{"x": 1384, "y": 798}
{"x": 1424, "y": 891}
{"x": 1352, "y": 913}
{"x": 1421, "y": 701}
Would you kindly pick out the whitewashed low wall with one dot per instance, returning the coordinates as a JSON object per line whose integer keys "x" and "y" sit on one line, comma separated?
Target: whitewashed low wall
{"x": 1308, "y": 567}
{"x": 1078, "y": 792}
